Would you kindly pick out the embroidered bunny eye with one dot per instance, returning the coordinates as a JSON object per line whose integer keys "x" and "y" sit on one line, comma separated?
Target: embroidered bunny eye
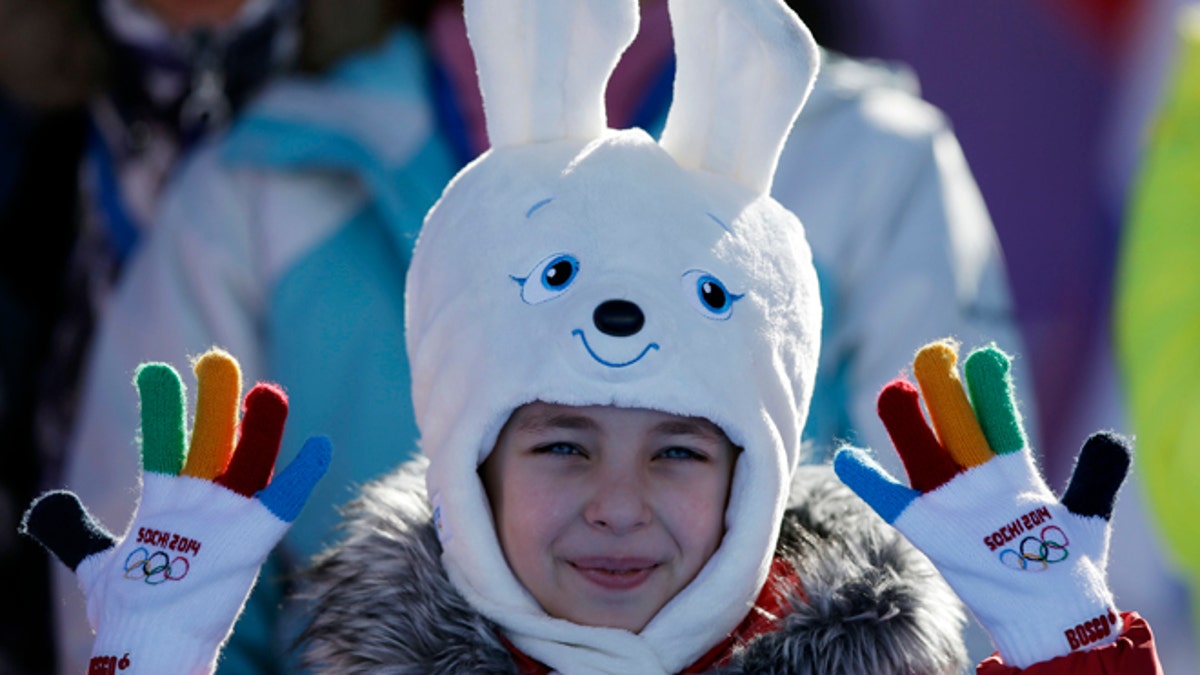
{"x": 708, "y": 295}
{"x": 549, "y": 278}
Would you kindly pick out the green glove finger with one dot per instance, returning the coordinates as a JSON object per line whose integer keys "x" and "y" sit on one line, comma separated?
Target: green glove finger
{"x": 163, "y": 419}
{"x": 990, "y": 385}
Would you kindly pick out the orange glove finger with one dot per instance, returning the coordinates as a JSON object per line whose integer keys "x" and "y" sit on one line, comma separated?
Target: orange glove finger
{"x": 952, "y": 414}
{"x": 220, "y": 386}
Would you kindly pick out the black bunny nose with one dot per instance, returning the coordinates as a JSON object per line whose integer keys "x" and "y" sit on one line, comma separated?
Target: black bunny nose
{"x": 619, "y": 318}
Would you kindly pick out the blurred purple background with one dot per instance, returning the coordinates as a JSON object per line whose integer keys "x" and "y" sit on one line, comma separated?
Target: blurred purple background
{"x": 1049, "y": 99}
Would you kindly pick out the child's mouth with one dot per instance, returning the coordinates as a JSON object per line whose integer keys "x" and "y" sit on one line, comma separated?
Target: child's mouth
{"x": 615, "y": 573}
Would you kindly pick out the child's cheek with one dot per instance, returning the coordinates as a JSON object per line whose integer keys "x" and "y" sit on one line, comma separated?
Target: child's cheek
{"x": 695, "y": 509}
{"x": 536, "y": 505}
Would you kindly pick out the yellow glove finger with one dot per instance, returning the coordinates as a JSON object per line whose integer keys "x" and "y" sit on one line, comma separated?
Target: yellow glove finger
{"x": 951, "y": 412}
{"x": 218, "y": 392}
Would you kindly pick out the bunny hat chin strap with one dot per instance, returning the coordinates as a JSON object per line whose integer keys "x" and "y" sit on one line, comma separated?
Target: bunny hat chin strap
{"x": 622, "y": 217}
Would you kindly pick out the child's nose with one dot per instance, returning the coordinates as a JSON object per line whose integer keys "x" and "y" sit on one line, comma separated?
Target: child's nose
{"x": 618, "y": 504}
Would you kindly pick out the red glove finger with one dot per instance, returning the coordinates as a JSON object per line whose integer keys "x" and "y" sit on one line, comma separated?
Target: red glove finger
{"x": 926, "y": 462}
{"x": 253, "y": 460}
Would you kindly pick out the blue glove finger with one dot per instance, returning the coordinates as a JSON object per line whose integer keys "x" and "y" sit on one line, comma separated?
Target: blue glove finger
{"x": 60, "y": 523}
{"x": 1099, "y": 472}
{"x": 872, "y": 483}
{"x": 288, "y": 492}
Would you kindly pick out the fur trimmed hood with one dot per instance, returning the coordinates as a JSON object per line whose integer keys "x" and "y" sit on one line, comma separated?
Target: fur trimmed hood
{"x": 383, "y": 604}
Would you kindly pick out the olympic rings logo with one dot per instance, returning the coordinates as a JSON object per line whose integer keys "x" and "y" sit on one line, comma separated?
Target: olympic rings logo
{"x": 1048, "y": 549}
{"x": 155, "y": 568}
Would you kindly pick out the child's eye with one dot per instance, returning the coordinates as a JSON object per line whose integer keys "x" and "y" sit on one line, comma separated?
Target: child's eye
{"x": 549, "y": 278}
{"x": 708, "y": 295}
{"x": 678, "y": 452}
{"x": 559, "y": 448}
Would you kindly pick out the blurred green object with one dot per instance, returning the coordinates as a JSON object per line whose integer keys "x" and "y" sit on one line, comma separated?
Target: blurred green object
{"x": 1157, "y": 310}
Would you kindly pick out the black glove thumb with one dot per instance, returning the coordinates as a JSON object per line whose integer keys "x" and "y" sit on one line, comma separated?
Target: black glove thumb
{"x": 60, "y": 523}
{"x": 1099, "y": 471}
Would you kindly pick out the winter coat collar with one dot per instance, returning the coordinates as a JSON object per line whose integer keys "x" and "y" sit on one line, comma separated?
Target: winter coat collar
{"x": 866, "y": 602}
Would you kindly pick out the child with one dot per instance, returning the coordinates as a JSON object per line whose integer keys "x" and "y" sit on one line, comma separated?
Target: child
{"x": 613, "y": 346}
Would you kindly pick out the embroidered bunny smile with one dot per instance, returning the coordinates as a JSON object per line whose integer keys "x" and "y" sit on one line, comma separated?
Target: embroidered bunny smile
{"x": 612, "y": 364}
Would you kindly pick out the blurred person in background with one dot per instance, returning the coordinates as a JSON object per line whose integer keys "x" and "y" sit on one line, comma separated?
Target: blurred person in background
{"x": 286, "y": 242}
{"x": 100, "y": 102}
{"x": 36, "y": 228}
{"x": 100, "y": 99}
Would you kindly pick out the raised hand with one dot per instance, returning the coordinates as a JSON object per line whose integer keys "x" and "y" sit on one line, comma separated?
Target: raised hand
{"x": 164, "y": 597}
{"x": 1029, "y": 565}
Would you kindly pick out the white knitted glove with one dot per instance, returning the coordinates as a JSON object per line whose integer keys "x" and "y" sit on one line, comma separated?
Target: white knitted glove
{"x": 165, "y": 597}
{"x": 1030, "y": 566}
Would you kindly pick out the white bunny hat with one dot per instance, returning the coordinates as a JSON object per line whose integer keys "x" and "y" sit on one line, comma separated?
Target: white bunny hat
{"x": 580, "y": 265}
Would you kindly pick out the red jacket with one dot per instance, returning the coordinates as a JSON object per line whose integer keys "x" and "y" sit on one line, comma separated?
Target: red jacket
{"x": 1132, "y": 654}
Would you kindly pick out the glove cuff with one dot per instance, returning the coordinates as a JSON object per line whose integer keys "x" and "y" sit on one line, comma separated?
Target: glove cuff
{"x": 1026, "y": 641}
{"x": 144, "y": 646}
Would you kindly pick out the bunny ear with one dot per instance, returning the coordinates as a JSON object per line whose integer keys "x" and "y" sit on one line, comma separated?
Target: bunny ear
{"x": 543, "y": 66}
{"x": 744, "y": 71}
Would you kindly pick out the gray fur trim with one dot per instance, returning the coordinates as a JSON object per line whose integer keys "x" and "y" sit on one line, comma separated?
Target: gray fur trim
{"x": 383, "y": 604}
{"x": 874, "y": 603}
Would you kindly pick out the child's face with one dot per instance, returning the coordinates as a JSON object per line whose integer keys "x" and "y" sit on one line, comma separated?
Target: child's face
{"x": 604, "y": 514}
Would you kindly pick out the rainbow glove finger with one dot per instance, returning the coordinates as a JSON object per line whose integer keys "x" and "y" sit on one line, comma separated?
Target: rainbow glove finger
{"x": 164, "y": 597}
{"x": 1030, "y": 566}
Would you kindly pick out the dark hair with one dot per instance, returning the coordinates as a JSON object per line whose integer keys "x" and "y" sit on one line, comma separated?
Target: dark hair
{"x": 334, "y": 29}
{"x": 53, "y": 53}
